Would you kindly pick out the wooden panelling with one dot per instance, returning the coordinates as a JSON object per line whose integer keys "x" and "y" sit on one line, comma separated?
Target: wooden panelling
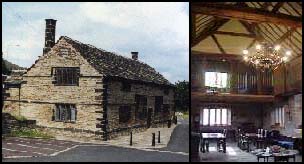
{"x": 288, "y": 78}
{"x": 279, "y": 80}
{"x": 294, "y": 75}
{"x": 197, "y": 97}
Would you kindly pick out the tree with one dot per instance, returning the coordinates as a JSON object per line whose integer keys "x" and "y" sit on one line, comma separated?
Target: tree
{"x": 182, "y": 96}
{"x": 5, "y": 70}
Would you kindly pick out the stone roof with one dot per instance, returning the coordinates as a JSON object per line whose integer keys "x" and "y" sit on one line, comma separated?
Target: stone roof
{"x": 114, "y": 65}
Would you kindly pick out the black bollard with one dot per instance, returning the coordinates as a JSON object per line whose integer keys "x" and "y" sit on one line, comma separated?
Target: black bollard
{"x": 131, "y": 138}
{"x": 153, "y": 139}
{"x": 169, "y": 123}
{"x": 158, "y": 137}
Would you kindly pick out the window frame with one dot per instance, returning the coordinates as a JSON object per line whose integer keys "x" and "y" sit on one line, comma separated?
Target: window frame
{"x": 62, "y": 109}
{"x": 215, "y": 85}
{"x": 204, "y": 111}
{"x": 278, "y": 116}
{"x": 71, "y": 80}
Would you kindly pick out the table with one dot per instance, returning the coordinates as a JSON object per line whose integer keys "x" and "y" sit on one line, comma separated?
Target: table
{"x": 216, "y": 136}
{"x": 257, "y": 139}
{"x": 281, "y": 156}
{"x": 284, "y": 156}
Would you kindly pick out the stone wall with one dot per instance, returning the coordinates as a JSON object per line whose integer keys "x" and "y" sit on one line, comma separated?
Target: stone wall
{"x": 10, "y": 123}
{"x": 39, "y": 95}
{"x": 117, "y": 98}
{"x": 292, "y": 105}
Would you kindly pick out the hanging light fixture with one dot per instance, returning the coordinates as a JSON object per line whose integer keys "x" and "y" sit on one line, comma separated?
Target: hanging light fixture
{"x": 267, "y": 56}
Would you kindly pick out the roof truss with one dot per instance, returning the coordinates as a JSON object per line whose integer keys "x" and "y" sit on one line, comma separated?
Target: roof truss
{"x": 246, "y": 14}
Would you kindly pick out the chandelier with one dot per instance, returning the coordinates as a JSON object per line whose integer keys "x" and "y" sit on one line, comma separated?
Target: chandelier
{"x": 266, "y": 56}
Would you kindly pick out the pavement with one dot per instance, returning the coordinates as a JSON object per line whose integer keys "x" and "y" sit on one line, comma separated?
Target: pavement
{"x": 51, "y": 150}
{"x": 178, "y": 139}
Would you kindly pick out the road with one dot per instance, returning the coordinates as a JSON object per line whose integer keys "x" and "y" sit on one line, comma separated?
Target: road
{"x": 179, "y": 141}
{"x": 176, "y": 151}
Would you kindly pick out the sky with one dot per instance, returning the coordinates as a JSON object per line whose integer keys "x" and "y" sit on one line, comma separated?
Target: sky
{"x": 158, "y": 31}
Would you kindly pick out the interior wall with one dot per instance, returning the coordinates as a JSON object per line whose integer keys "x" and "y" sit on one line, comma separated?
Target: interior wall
{"x": 292, "y": 115}
{"x": 243, "y": 116}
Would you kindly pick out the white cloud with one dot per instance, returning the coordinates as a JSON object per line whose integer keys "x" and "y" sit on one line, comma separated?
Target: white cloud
{"x": 167, "y": 23}
{"x": 159, "y": 31}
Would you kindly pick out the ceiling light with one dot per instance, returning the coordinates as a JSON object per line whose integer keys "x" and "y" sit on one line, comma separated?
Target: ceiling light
{"x": 277, "y": 47}
{"x": 245, "y": 52}
{"x": 288, "y": 53}
{"x": 258, "y": 47}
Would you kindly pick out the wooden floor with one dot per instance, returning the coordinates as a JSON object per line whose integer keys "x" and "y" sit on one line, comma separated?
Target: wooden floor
{"x": 233, "y": 154}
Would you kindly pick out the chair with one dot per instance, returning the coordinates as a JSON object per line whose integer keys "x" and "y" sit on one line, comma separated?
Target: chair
{"x": 260, "y": 141}
{"x": 222, "y": 142}
{"x": 238, "y": 137}
{"x": 204, "y": 143}
{"x": 245, "y": 144}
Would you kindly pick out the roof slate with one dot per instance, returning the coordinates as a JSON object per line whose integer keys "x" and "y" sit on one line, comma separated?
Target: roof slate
{"x": 114, "y": 65}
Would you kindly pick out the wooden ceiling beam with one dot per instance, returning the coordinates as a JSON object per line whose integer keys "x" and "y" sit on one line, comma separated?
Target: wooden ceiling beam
{"x": 285, "y": 36}
{"x": 236, "y": 34}
{"x": 209, "y": 30}
{"x": 291, "y": 5}
{"x": 217, "y": 56}
{"x": 265, "y": 5}
{"x": 197, "y": 96}
{"x": 251, "y": 28}
{"x": 251, "y": 44}
{"x": 277, "y": 6}
{"x": 218, "y": 44}
{"x": 246, "y": 13}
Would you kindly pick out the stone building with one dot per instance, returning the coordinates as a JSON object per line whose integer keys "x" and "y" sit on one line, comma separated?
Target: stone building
{"x": 78, "y": 86}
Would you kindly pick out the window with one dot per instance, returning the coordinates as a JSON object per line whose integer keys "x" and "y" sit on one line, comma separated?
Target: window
{"x": 158, "y": 104}
{"x": 216, "y": 79}
{"x": 212, "y": 117}
{"x": 124, "y": 114}
{"x": 278, "y": 116}
{"x": 126, "y": 87}
{"x": 215, "y": 117}
{"x": 141, "y": 106}
{"x": 65, "y": 113}
{"x": 66, "y": 75}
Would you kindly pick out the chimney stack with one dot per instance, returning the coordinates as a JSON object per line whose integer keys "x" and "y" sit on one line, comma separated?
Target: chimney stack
{"x": 49, "y": 35}
{"x": 134, "y": 55}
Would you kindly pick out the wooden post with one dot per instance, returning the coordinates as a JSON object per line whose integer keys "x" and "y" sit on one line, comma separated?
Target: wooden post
{"x": 153, "y": 139}
{"x": 131, "y": 138}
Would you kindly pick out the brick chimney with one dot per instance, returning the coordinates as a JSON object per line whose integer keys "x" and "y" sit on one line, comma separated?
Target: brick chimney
{"x": 49, "y": 35}
{"x": 134, "y": 55}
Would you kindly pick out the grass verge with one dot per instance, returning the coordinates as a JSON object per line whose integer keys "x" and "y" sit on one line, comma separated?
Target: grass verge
{"x": 30, "y": 133}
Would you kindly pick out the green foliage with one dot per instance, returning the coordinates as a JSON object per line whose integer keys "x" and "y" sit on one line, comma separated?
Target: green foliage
{"x": 5, "y": 69}
{"x": 182, "y": 96}
{"x": 31, "y": 133}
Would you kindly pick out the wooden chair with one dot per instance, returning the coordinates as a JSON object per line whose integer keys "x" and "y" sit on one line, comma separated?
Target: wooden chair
{"x": 245, "y": 143}
{"x": 221, "y": 144}
{"x": 204, "y": 144}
